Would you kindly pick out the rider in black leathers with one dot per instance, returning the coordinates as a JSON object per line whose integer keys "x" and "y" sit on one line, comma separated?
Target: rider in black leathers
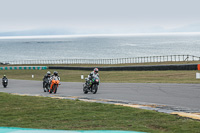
{"x": 4, "y": 78}
{"x": 46, "y": 76}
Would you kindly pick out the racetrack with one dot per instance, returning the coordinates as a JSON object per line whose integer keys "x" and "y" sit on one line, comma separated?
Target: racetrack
{"x": 181, "y": 97}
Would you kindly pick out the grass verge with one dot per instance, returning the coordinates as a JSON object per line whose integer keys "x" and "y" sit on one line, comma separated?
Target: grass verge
{"x": 110, "y": 76}
{"x": 48, "y": 113}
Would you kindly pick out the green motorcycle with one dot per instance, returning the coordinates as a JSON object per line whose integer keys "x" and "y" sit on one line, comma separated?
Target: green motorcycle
{"x": 92, "y": 85}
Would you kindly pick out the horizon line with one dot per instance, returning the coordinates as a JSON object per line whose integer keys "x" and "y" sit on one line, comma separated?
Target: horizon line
{"x": 97, "y": 35}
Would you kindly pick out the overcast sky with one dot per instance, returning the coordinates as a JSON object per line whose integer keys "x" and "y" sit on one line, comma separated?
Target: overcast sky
{"x": 99, "y": 16}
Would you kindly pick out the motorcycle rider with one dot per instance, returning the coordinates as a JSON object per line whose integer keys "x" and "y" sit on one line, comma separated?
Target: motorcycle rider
{"x": 54, "y": 76}
{"x": 4, "y": 78}
{"x": 46, "y": 76}
{"x": 95, "y": 72}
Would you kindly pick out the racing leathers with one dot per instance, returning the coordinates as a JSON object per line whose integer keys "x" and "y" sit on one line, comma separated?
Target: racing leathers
{"x": 90, "y": 76}
{"x": 53, "y": 77}
{"x": 45, "y": 79}
{"x": 4, "y": 78}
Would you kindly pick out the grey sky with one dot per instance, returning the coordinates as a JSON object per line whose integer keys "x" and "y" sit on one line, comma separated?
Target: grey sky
{"x": 100, "y": 16}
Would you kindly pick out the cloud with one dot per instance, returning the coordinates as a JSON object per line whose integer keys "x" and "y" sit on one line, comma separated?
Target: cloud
{"x": 93, "y": 16}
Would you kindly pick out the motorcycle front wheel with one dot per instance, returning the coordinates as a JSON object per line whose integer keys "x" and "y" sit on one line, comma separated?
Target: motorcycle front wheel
{"x": 47, "y": 88}
{"x": 94, "y": 88}
{"x": 55, "y": 88}
{"x": 4, "y": 85}
{"x": 50, "y": 90}
{"x": 85, "y": 89}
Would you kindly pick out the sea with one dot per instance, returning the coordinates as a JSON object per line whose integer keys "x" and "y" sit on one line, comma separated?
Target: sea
{"x": 97, "y": 46}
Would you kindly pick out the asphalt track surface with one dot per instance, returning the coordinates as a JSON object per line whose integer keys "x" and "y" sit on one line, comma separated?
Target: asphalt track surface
{"x": 181, "y": 97}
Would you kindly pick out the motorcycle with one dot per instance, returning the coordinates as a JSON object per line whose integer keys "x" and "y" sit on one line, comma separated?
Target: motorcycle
{"x": 54, "y": 85}
{"x": 47, "y": 83}
{"x": 92, "y": 86}
{"x": 5, "y": 82}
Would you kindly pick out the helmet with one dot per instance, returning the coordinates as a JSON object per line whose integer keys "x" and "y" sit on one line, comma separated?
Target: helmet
{"x": 96, "y": 70}
{"x": 55, "y": 73}
{"x": 48, "y": 73}
{"x": 4, "y": 76}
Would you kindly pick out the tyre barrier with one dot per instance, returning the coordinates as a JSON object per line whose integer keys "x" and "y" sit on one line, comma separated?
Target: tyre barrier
{"x": 134, "y": 68}
{"x": 120, "y": 68}
{"x": 31, "y": 130}
{"x": 24, "y": 68}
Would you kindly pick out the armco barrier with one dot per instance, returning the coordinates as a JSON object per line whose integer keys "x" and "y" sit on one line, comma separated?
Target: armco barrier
{"x": 120, "y": 68}
{"x": 134, "y": 68}
{"x": 24, "y": 68}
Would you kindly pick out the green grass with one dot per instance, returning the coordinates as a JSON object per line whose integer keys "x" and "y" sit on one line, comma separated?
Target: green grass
{"x": 110, "y": 76}
{"x": 48, "y": 113}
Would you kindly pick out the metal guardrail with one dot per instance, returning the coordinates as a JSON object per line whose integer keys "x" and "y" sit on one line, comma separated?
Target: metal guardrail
{"x": 149, "y": 59}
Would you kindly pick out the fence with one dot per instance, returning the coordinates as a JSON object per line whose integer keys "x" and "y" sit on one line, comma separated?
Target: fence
{"x": 167, "y": 58}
